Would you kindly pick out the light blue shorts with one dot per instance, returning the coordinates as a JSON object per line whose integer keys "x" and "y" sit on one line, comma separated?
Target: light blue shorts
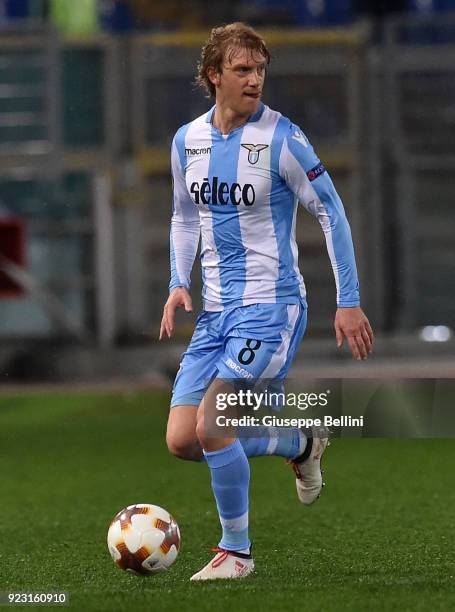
{"x": 249, "y": 342}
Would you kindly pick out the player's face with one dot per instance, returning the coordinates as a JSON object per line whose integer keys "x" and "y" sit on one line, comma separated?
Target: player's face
{"x": 239, "y": 85}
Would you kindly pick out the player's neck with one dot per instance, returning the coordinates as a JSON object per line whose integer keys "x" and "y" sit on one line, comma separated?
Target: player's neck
{"x": 225, "y": 119}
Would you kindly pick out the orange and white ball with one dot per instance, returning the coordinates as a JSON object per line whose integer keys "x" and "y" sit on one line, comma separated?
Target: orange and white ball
{"x": 144, "y": 539}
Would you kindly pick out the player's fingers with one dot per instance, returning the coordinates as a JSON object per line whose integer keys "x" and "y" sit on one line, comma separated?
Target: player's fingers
{"x": 170, "y": 317}
{"x": 367, "y": 341}
{"x": 188, "y": 303}
{"x": 163, "y": 327}
{"x": 352, "y": 341}
{"x": 339, "y": 336}
{"x": 369, "y": 331}
{"x": 162, "y": 331}
{"x": 167, "y": 322}
{"x": 363, "y": 351}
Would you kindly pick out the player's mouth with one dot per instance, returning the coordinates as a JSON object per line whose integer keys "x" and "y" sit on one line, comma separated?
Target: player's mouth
{"x": 255, "y": 95}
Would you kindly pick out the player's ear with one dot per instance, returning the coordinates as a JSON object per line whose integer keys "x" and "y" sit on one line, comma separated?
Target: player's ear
{"x": 214, "y": 76}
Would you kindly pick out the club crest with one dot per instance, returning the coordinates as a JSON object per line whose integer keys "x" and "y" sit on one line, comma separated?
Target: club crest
{"x": 253, "y": 151}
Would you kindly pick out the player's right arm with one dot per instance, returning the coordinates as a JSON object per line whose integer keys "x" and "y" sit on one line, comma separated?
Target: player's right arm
{"x": 184, "y": 240}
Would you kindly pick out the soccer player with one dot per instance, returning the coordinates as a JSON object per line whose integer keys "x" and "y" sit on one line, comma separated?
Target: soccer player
{"x": 239, "y": 172}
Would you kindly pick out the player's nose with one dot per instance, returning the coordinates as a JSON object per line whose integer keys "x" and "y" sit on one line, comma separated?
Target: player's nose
{"x": 255, "y": 78}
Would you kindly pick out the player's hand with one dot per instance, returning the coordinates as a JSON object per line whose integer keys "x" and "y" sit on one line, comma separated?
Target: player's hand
{"x": 352, "y": 324}
{"x": 178, "y": 298}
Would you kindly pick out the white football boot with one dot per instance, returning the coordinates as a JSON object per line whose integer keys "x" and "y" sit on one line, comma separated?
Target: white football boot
{"x": 307, "y": 469}
{"x": 226, "y": 564}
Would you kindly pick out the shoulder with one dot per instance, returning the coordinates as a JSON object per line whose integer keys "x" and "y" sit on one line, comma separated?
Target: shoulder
{"x": 284, "y": 129}
{"x": 180, "y": 134}
{"x": 273, "y": 119}
{"x": 273, "y": 116}
{"x": 297, "y": 142}
{"x": 287, "y": 128}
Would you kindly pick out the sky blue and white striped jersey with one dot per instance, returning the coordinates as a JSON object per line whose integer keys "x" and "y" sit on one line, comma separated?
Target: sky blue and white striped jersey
{"x": 239, "y": 194}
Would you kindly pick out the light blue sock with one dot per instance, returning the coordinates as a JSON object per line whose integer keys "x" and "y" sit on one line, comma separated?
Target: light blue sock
{"x": 230, "y": 482}
{"x": 286, "y": 442}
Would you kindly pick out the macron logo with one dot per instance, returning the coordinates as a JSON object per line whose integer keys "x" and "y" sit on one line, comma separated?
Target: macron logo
{"x": 234, "y": 366}
{"x": 202, "y": 151}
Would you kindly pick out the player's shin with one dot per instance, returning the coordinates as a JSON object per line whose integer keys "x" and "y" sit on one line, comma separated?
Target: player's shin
{"x": 230, "y": 472}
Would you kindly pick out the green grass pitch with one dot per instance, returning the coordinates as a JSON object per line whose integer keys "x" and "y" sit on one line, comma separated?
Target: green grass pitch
{"x": 380, "y": 537}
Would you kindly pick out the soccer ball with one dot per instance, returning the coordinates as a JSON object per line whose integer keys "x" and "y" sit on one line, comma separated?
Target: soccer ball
{"x": 144, "y": 539}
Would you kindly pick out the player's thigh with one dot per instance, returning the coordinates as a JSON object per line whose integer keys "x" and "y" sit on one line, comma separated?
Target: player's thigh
{"x": 260, "y": 345}
{"x": 198, "y": 366}
{"x": 239, "y": 368}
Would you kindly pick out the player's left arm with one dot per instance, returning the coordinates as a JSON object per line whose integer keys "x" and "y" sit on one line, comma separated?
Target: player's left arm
{"x": 307, "y": 177}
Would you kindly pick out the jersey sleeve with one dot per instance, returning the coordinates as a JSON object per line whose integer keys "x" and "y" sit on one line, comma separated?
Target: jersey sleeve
{"x": 185, "y": 227}
{"x": 307, "y": 178}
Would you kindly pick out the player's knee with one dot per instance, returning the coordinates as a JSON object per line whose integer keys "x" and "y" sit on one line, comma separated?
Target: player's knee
{"x": 181, "y": 437}
{"x": 177, "y": 445}
{"x": 203, "y": 432}
{"x": 181, "y": 450}
{"x": 200, "y": 429}
{"x": 183, "y": 447}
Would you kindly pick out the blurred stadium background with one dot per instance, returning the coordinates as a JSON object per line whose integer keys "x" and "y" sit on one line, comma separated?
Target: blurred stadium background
{"x": 91, "y": 94}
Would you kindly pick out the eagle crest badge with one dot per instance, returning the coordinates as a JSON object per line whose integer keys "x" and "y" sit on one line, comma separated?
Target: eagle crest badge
{"x": 253, "y": 151}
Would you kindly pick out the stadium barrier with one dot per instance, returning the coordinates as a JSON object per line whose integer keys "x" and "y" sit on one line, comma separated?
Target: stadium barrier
{"x": 86, "y": 125}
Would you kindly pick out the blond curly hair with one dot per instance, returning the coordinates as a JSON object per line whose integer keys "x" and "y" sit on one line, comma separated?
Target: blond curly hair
{"x": 225, "y": 38}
